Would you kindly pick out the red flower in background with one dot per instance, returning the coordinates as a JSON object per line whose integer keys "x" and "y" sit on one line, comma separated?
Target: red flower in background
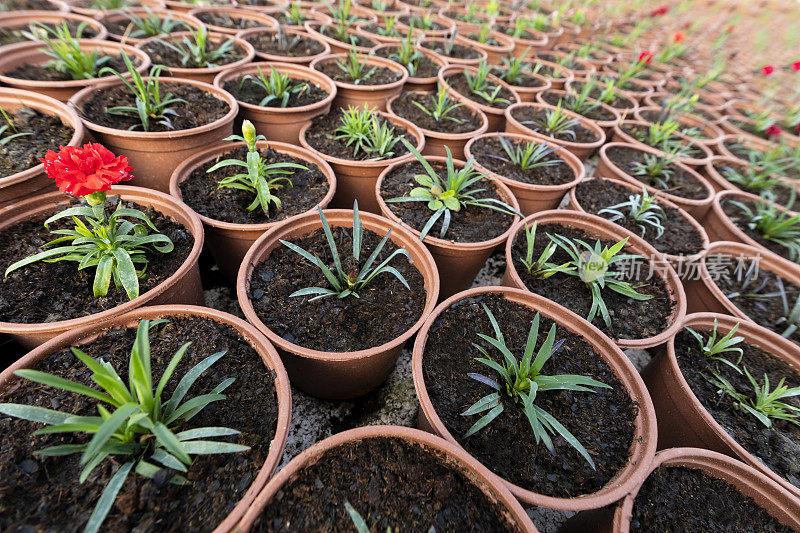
{"x": 687, "y": 25}
{"x": 766, "y": 70}
{"x": 773, "y": 131}
{"x": 796, "y": 66}
{"x": 663, "y": 10}
{"x": 80, "y": 171}
{"x": 679, "y": 37}
{"x": 645, "y": 57}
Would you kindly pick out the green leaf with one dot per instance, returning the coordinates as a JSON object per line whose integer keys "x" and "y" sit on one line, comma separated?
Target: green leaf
{"x": 34, "y": 413}
{"x": 107, "y": 498}
{"x": 108, "y": 428}
{"x": 188, "y": 380}
{"x": 126, "y": 272}
{"x": 484, "y": 420}
{"x": 205, "y": 447}
{"x": 201, "y": 433}
{"x": 63, "y": 384}
{"x": 171, "y": 443}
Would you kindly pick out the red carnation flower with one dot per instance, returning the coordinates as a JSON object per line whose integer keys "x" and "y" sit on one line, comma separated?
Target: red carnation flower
{"x": 766, "y": 70}
{"x": 660, "y": 11}
{"x": 796, "y": 66}
{"x": 645, "y": 57}
{"x": 687, "y": 25}
{"x": 773, "y": 131}
{"x": 80, "y": 171}
{"x": 679, "y": 37}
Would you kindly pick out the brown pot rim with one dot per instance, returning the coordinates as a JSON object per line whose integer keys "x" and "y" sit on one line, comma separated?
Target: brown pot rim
{"x": 421, "y": 257}
{"x": 574, "y": 163}
{"x": 716, "y": 465}
{"x": 533, "y": 44}
{"x": 451, "y": 25}
{"x": 96, "y": 12}
{"x": 413, "y": 129}
{"x": 476, "y": 472}
{"x": 32, "y": 48}
{"x": 142, "y": 10}
{"x": 26, "y": 16}
{"x": 733, "y": 228}
{"x": 77, "y": 100}
{"x": 53, "y": 108}
{"x": 247, "y": 331}
{"x": 441, "y": 135}
{"x": 602, "y": 227}
{"x": 290, "y": 69}
{"x": 430, "y": 54}
{"x": 661, "y": 199}
{"x": 618, "y": 172}
{"x": 311, "y": 29}
{"x": 585, "y": 122}
{"x": 642, "y": 448}
{"x": 179, "y": 72}
{"x": 369, "y": 60}
{"x": 326, "y": 48}
{"x": 569, "y": 74}
{"x": 21, "y": 211}
{"x": 506, "y": 46}
{"x": 184, "y": 170}
{"x": 436, "y": 241}
{"x": 459, "y": 40}
{"x": 233, "y": 11}
{"x": 454, "y": 69}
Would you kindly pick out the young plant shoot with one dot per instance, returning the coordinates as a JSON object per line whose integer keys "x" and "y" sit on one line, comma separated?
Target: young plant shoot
{"x": 197, "y": 51}
{"x": 715, "y": 349}
{"x": 362, "y": 130}
{"x": 641, "y": 208}
{"x": 67, "y": 55}
{"x": 480, "y": 86}
{"x": 279, "y": 87}
{"x": 442, "y": 106}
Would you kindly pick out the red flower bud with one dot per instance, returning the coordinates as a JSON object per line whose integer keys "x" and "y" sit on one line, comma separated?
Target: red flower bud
{"x": 80, "y": 171}
{"x": 766, "y": 70}
{"x": 645, "y": 57}
{"x": 796, "y": 66}
{"x": 663, "y": 10}
{"x": 679, "y": 37}
{"x": 773, "y": 131}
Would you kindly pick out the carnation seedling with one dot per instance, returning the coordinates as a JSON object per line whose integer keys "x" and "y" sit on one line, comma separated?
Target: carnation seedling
{"x": 364, "y": 132}
{"x": 442, "y": 106}
{"x": 791, "y": 315}
{"x": 294, "y": 14}
{"x": 657, "y": 168}
{"x": 354, "y": 68}
{"x": 516, "y": 67}
{"x": 389, "y": 28}
{"x": 150, "y": 106}
{"x": 279, "y": 87}
{"x": 557, "y": 122}
{"x": 423, "y": 21}
{"x": 443, "y": 195}
{"x": 774, "y": 224}
{"x": 479, "y": 85}
{"x": 197, "y": 51}
{"x": 144, "y": 430}
{"x": 348, "y": 281}
{"x": 714, "y": 349}
{"x": 407, "y": 54}
{"x": 641, "y": 208}
{"x": 538, "y": 267}
{"x": 593, "y": 265}
{"x": 765, "y": 405}
{"x": 521, "y": 381}
{"x": 343, "y": 21}
{"x": 151, "y": 24}
{"x": 9, "y": 131}
{"x": 527, "y": 155}
{"x": 260, "y": 178}
{"x": 580, "y": 102}
{"x": 757, "y": 177}
{"x": 67, "y": 55}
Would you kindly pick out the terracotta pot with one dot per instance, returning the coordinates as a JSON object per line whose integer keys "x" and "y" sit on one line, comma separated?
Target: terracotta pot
{"x": 532, "y": 198}
{"x": 337, "y": 375}
{"x": 728, "y": 127}
{"x": 600, "y": 228}
{"x": 415, "y": 83}
{"x": 581, "y": 150}
{"x": 458, "y": 262}
{"x": 605, "y": 125}
{"x": 281, "y": 124}
{"x": 355, "y": 180}
{"x": 185, "y": 7}
{"x": 631, "y": 104}
{"x": 16, "y": 19}
{"x": 117, "y": 16}
{"x": 257, "y": 17}
{"x": 448, "y": 26}
{"x": 248, "y": 332}
{"x": 182, "y": 287}
{"x": 206, "y": 74}
{"x": 766, "y": 493}
{"x": 697, "y": 208}
{"x": 300, "y": 60}
{"x": 366, "y": 28}
{"x": 435, "y": 141}
{"x": 337, "y": 47}
{"x": 556, "y": 82}
{"x": 582, "y": 69}
{"x": 15, "y": 55}
{"x": 679, "y": 262}
{"x": 599, "y": 57}
{"x": 529, "y": 94}
{"x": 59, "y": 6}
{"x": 155, "y": 155}
{"x": 716, "y": 179}
{"x": 453, "y": 61}
{"x": 620, "y": 135}
{"x": 393, "y": 9}
{"x": 711, "y": 132}
{"x": 33, "y": 181}
{"x": 373, "y": 96}
{"x": 704, "y": 295}
{"x": 682, "y": 419}
{"x": 529, "y": 47}
{"x": 722, "y": 149}
{"x": 637, "y": 90}
{"x": 495, "y": 52}
{"x": 75, "y": 7}
{"x": 495, "y": 115}
{"x": 454, "y": 456}
{"x": 229, "y": 241}
{"x": 643, "y": 445}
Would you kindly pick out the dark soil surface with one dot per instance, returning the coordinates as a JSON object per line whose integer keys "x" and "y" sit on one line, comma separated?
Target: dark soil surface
{"x": 14, "y": 34}
{"x": 47, "y": 132}
{"x": 630, "y": 319}
{"x": 488, "y": 151}
{"x": 459, "y": 51}
{"x": 425, "y": 67}
{"x": 379, "y": 76}
{"x": 161, "y": 54}
{"x": 470, "y": 224}
{"x": 639, "y": 132}
{"x": 200, "y": 191}
{"x": 679, "y": 237}
{"x": 384, "y": 309}
{"x": 684, "y": 184}
{"x": 596, "y": 113}
{"x": 419, "y": 24}
{"x": 728, "y": 272}
{"x": 603, "y": 422}
{"x": 397, "y": 486}
{"x": 531, "y": 118}
{"x": 15, "y": 5}
{"x": 523, "y": 80}
{"x": 458, "y": 82}
{"x": 297, "y": 45}
{"x": 778, "y": 447}
{"x": 739, "y": 217}
{"x": 353, "y": 38}
{"x": 247, "y": 90}
{"x": 783, "y": 195}
{"x": 43, "y": 493}
{"x": 198, "y": 108}
{"x": 686, "y": 499}
{"x": 459, "y": 120}
{"x": 320, "y": 137}
{"x": 49, "y": 292}
{"x": 224, "y": 20}
{"x": 43, "y": 72}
